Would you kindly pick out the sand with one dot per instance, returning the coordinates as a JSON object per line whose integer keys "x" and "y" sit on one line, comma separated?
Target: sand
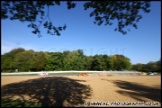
{"x": 74, "y": 90}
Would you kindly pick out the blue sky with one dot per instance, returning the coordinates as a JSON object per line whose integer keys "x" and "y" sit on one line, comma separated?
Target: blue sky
{"x": 140, "y": 45}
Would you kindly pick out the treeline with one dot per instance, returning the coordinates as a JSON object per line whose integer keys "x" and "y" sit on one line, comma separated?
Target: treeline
{"x": 29, "y": 60}
{"x": 151, "y": 66}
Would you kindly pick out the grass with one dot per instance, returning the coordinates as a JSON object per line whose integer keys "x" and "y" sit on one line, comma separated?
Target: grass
{"x": 17, "y": 103}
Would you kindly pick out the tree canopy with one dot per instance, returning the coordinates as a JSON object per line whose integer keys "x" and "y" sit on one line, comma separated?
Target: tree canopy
{"x": 29, "y": 60}
{"x": 104, "y": 12}
{"x": 150, "y": 66}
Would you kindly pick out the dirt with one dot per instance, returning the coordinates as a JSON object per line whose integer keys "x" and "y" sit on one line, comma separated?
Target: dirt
{"x": 105, "y": 89}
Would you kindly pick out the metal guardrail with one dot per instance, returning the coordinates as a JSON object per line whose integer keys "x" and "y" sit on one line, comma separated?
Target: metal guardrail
{"x": 26, "y": 73}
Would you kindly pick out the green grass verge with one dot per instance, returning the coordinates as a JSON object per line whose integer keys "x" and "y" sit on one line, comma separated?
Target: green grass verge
{"x": 17, "y": 103}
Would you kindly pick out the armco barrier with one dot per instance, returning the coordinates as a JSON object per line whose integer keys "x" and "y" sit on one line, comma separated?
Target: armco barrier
{"x": 109, "y": 72}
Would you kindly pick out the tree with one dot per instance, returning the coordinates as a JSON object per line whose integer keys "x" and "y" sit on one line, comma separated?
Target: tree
{"x": 23, "y": 60}
{"x": 17, "y": 50}
{"x": 29, "y": 60}
{"x": 88, "y": 62}
{"x": 108, "y": 62}
{"x": 54, "y": 61}
{"x": 79, "y": 60}
{"x": 126, "y": 13}
{"x": 73, "y": 60}
{"x": 138, "y": 67}
{"x": 67, "y": 60}
{"x": 121, "y": 62}
{"x": 149, "y": 67}
{"x": 38, "y": 61}
{"x": 6, "y": 60}
{"x": 98, "y": 63}
{"x": 158, "y": 63}
{"x": 33, "y": 12}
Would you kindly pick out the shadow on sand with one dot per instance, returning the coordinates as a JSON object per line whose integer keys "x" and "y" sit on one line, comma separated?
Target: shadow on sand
{"x": 137, "y": 91}
{"x": 49, "y": 91}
